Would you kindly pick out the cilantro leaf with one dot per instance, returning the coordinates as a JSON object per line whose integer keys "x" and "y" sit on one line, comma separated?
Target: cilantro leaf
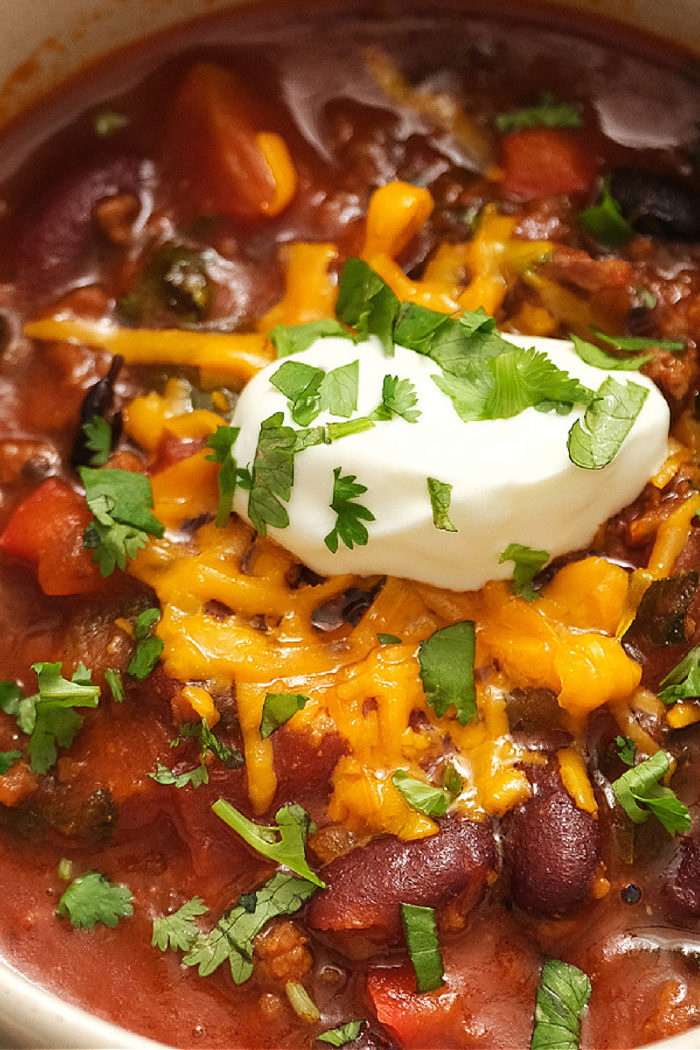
{"x": 98, "y": 439}
{"x": 447, "y": 670}
{"x": 605, "y": 220}
{"x": 426, "y": 798}
{"x": 272, "y": 475}
{"x": 350, "y": 515}
{"x": 292, "y": 339}
{"x": 221, "y": 443}
{"x": 177, "y": 931}
{"x": 367, "y": 303}
{"x": 92, "y": 898}
{"x": 562, "y": 996}
{"x": 634, "y": 343}
{"x": 231, "y": 757}
{"x": 595, "y": 441}
{"x": 300, "y": 383}
{"x": 388, "y": 639}
{"x": 232, "y": 938}
{"x": 421, "y": 933}
{"x": 278, "y": 708}
{"x": 593, "y": 355}
{"x": 116, "y": 686}
{"x": 398, "y": 399}
{"x": 683, "y": 682}
{"x": 548, "y": 113}
{"x": 149, "y": 648}
{"x": 144, "y": 621}
{"x": 440, "y": 493}
{"x": 339, "y": 389}
{"x": 285, "y": 844}
{"x": 120, "y": 501}
{"x": 194, "y": 777}
{"x": 7, "y": 760}
{"x": 47, "y": 716}
{"x": 452, "y": 782}
{"x": 626, "y": 749}
{"x": 639, "y": 793}
{"x": 528, "y": 563}
{"x": 341, "y": 1035}
{"x": 10, "y": 696}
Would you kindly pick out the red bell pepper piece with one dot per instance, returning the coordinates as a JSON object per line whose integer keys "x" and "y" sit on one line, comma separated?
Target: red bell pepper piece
{"x": 546, "y": 162}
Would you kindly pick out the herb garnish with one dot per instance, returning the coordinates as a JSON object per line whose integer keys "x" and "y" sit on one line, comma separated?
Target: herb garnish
{"x": 548, "y": 113}
{"x": 178, "y": 931}
{"x": 626, "y": 749}
{"x": 426, "y": 798}
{"x": 593, "y": 355}
{"x": 367, "y": 303}
{"x": 121, "y": 502}
{"x": 48, "y": 716}
{"x": 91, "y": 898}
{"x": 421, "y": 933}
{"x": 98, "y": 439}
{"x": 221, "y": 442}
{"x": 349, "y": 514}
{"x": 149, "y": 645}
{"x": 527, "y": 563}
{"x": 399, "y": 398}
{"x": 272, "y": 474}
{"x": 605, "y": 220}
{"x": 115, "y": 684}
{"x": 639, "y": 793}
{"x": 285, "y": 843}
{"x": 341, "y": 1035}
{"x": 440, "y": 493}
{"x": 447, "y": 670}
{"x": 683, "y": 682}
{"x": 232, "y": 758}
{"x": 388, "y": 639}
{"x": 293, "y": 339}
{"x": 635, "y": 343}
{"x": 278, "y": 708}
{"x": 7, "y": 760}
{"x": 562, "y": 996}
{"x": 595, "y": 441}
{"x": 232, "y": 937}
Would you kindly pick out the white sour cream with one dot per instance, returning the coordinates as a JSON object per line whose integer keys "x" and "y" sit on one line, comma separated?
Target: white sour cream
{"x": 512, "y": 479}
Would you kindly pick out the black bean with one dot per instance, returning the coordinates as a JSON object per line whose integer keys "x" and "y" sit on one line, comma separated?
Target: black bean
{"x": 658, "y": 205}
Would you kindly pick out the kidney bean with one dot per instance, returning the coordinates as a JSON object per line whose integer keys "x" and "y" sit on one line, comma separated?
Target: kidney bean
{"x": 551, "y": 850}
{"x": 684, "y": 886}
{"x": 56, "y": 241}
{"x": 360, "y": 906}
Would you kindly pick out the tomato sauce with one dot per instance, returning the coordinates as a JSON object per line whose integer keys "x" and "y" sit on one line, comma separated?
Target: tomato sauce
{"x": 133, "y": 225}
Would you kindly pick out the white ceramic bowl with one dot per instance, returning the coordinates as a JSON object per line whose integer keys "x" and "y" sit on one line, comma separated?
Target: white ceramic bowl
{"x": 42, "y": 42}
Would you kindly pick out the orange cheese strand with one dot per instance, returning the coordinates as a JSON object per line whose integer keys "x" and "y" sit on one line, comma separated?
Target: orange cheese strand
{"x": 236, "y": 356}
{"x": 311, "y": 290}
{"x": 282, "y": 170}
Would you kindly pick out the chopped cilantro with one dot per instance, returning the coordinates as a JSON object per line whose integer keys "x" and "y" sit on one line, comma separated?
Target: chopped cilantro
{"x": 562, "y": 997}
{"x": 452, "y": 782}
{"x": 426, "y": 798}
{"x": 7, "y": 760}
{"x": 548, "y": 113}
{"x": 144, "y": 621}
{"x": 285, "y": 843}
{"x": 300, "y": 383}
{"x": 683, "y": 682}
{"x": 639, "y": 793}
{"x": 120, "y": 501}
{"x": 635, "y": 343}
{"x": 338, "y": 391}
{"x": 278, "y": 708}
{"x": 10, "y": 696}
{"x": 447, "y": 670}
{"x": 605, "y": 220}
{"x": 232, "y": 758}
{"x": 149, "y": 648}
{"x": 292, "y": 339}
{"x": 593, "y": 355}
{"x": 343, "y": 1034}
{"x": 367, "y": 303}
{"x": 193, "y": 777}
{"x": 399, "y": 398}
{"x": 388, "y": 639}
{"x": 232, "y": 938}
{"x": 108, "y": 121}
{"x": 221, "y": 443}
{"x": 91, "y": 898}
{"x": 178, "y": 931}
{"x": 527, "y": 563}
{"x": 272, "y": 475}
{"x": 98, "y": 439}
{"x": 335, "y": 431}
{"x": 595, "y": 441}
{"x": 421, "y": 933}
{"x": 47, "y": 716}
{"x": 116, "y": 686}
{"x": 440, "y": 493}
{"x": 350, "y": 515}
{"x": 626, "y": 749}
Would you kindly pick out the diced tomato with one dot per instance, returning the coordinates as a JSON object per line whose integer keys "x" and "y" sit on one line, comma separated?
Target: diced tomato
{"x": 545, "y": 162}
{"x": 415, "y": 1020}
{"x": 46, "y": 530}
{"x": 211, "y": 140}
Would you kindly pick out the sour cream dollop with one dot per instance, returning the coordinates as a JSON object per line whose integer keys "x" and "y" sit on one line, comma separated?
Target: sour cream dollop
{"x": 512, "y": 479}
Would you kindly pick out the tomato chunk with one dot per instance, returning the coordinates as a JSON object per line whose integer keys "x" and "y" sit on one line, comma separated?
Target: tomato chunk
{"x": 229, "y": 166}
{"x": 46, "y": 530}
{"x": 544, "y": 162}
